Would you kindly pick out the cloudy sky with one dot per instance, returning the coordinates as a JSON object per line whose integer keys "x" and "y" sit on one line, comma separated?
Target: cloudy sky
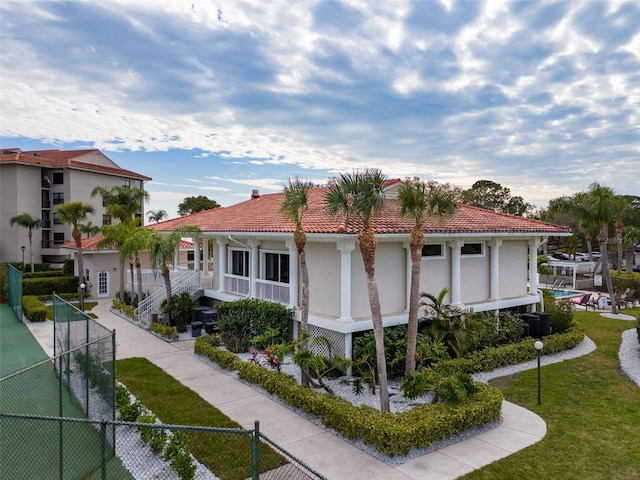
{"x": 221, "y": 97}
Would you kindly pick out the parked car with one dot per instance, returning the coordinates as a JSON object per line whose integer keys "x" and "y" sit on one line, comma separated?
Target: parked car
{"x": 560, "y": 256}
{"x": 595, "y": 255}
{"x": 636, "y": 268}
{"x": 581, "y": 257}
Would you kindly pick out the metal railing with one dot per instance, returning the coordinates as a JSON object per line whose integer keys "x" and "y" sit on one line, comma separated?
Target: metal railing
{"x": 185, "y": 281}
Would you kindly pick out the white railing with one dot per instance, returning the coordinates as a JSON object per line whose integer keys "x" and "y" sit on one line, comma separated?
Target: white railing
{"x": 236, "y": 284}
{"x": 274, "y": 291}
{"x": 184, "y": 281}
{"x": 149, "y": 278}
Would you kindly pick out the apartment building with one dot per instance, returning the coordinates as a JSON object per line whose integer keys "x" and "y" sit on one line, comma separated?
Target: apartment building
{"x": 37, "y": 181}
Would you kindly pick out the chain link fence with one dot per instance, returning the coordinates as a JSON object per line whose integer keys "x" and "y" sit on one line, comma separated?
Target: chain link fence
{"x": 143, "y": 451}
{"x": 15, "y": 291}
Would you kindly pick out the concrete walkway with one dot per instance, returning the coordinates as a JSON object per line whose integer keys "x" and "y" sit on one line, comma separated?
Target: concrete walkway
{"x": 327, "y": 453}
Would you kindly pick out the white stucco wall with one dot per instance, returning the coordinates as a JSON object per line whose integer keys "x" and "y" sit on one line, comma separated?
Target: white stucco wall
{"x": 323, "y": 263}
{"x": 514, "y": 271}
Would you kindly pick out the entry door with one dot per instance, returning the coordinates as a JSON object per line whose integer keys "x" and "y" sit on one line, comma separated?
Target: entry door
{"x": 103, "y": 284}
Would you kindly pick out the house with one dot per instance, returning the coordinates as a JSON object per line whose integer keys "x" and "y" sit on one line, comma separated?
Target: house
{"x": 487, "y": 260}
{"x": 102, "y": 265}
{"x": 37, "y": 181}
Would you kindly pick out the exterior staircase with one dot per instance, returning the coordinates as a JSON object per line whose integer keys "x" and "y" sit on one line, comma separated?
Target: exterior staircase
{"x": 185, "y": 281}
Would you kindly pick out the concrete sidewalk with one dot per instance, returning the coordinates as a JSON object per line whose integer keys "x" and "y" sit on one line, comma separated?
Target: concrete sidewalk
{"x": 327, "y": 453}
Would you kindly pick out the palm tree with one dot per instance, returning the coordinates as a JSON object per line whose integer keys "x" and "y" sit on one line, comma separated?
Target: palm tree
{"x": 75, "y": 213}
{"x": 619, "y": 226}
{"x": 631, "y": 237}
{"x": 156, "y": 216}
{"x": 122, "y": 203}
{"x": 294, "y": 204}
{"x": 113, "y": 236}
{"x": 27, "y": 221}
{"x": 89, "y": 229}
{"x": 360, "y": 195}
{"x": 162, "y": 250}
{"x": 136, "y": 241}
{"x": 597, "y": 206}
{"x": 418, "y": 201}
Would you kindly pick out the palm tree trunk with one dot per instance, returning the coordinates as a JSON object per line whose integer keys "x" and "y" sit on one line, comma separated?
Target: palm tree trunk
{"x": 132, "y": 278}
{"x": 122, "y": 275}
{"x": 139, "y": 275}
{"x": 77, "y": 236}
{"x": 30, "y": 251}
{"x": 603, "y": 238}
{"x": 415, "y": 246}
{"x": 304, "y": 308}
{"x": 368, "y": 245}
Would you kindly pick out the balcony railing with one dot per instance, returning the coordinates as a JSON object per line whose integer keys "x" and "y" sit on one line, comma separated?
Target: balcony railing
{"x": 236, "y": 284}
{"x": 274, "y": 291}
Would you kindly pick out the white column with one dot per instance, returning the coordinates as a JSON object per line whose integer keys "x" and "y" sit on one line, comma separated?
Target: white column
{"x": 455, "y": 245}
{"x": 254, "y": 260}
{"x": 408, "y": 266}
{"x": 495, "y": 269}
{"x": 176, "y": 257}
{"x": 533, "y": 265}
{"x": 205, "y": 255}
{"x": 196, "y": 254}
{"x": 222, "y": 263}
{"x": 345, "y": 246}
{"x": 294, "y": 300}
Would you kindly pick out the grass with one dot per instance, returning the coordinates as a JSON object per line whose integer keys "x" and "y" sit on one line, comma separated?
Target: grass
{"x": 592, "y": 414}
{"x": 227, "y": 455}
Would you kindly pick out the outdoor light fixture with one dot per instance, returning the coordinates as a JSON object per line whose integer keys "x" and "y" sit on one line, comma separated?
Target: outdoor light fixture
{"x": 82, "y": 287}
{"x": 538, "y": 346}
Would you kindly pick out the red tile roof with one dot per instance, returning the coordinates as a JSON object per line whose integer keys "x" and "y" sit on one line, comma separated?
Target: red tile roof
{"x": 90, "y": 244}
{"x": 262, "y": 214}
{"x": 63, "y": 158}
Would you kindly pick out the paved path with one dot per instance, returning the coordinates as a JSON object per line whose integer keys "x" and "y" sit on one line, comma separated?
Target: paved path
{"x": 327, "y": 453}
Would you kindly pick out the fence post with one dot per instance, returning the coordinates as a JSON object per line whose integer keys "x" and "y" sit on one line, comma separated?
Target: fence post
{"x": 61, "y": 429}
{"x": 103, "y": 439}
{"x": 255, "y": 457}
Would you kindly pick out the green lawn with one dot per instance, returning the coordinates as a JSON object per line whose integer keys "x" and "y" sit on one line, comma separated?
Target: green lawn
{"x": 227, "y": 455}
{"x": 592, "y": 414}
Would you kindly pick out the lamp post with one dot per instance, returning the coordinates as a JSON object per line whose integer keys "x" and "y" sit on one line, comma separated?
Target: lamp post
{"x": 22, "y": 248}
{"x": 82, "y": 287}
{"x": 538, "y": 346}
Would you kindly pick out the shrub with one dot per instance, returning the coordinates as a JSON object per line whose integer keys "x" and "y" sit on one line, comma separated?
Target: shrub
{"x": 165, "y": 331}
{"x": 49, "y": 285}
{"x": 561, "y": 313}
{"x": 128, "y": 310}
{"x": 395, "y": 340}
{"x": 392, "y": 434}
{"x": 500, "y": 329}
{"x": 34, "y": 309}
{"x": 179, "y": 308}
{"x": 242, "y": 320}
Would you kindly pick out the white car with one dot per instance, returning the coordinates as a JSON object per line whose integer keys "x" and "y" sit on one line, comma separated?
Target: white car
{"x": 581, "y": 257}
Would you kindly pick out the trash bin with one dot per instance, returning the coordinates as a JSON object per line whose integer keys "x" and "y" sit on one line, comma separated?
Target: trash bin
{"x": 533, "y": 324}
{"x": 196, "y": 329}
{"x": 545, "y": 324}
{"x": 195, "y": 313}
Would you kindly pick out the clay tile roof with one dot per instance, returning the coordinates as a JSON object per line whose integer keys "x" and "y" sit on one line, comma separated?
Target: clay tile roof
{"x": 90, "y": 244}
{"x": 64, "y": 158}
{"x": 262, "y": 214}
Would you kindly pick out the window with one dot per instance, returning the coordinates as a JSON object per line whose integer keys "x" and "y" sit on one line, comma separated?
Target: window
{"x": 276, "y": 267}
{"x": 240, "y": 263}
{"x": 58, "y": 198}
{"x": 126, "y": 183}
{"x": 58, "y": 178}
{"x": 58, "y": 238}
{"x": 472, "y": 249}
{"x": 106, "y": 219}
{"x": 56, "y": 219}
{"x": 433, "y": 250}
{"x": 103, "y": 283}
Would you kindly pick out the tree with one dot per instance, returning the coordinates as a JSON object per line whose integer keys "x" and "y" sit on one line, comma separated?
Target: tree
{"x": 360, "y": 195}
{"x": 631, "y": 237}
{"x": 598, "y": 206}
{"x": 122, "y": 203}
{"x": 162, "y": 250}
{"x": 89, "y": 229}
{"x": 418, "y": 201}
{"x": 25, "y": 220}
{"x": 493, "y": 196}
{"x": 136, "y": 241}
{"x": 295, "y": 202}
{"x": 156, "y": 216}
{"x": 196, "y": 204}
{"x": 75, "y": 213}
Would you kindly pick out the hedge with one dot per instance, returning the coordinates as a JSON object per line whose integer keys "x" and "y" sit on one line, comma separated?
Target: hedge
{"x": 391, "y": 433}
{"x": 34, "y": 309}
{"x": 49, "y": 285}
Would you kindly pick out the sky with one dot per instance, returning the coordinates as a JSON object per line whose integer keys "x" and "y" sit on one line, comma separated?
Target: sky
{"x": 219, "y": 98}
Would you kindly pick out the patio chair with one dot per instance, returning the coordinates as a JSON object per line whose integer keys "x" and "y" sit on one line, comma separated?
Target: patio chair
{"x": 584, "y": 301}
{"x": 621, "y": 300}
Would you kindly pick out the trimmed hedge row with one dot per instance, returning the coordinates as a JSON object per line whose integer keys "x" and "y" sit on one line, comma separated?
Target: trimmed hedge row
{"x": 49, "y": 285}
{"x": 391, "y": 433}
{"x": 502, "y": 356}
{"x": 34, "y": 309}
